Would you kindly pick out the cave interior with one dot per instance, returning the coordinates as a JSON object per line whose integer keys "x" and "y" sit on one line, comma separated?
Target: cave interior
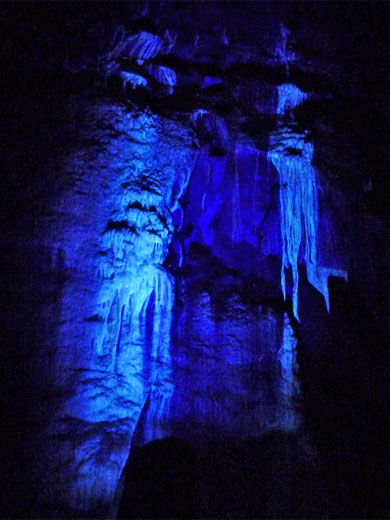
{"x": 195, "y": 259}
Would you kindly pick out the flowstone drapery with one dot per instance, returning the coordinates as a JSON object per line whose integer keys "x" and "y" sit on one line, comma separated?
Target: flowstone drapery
{"x": 291, "y": 153}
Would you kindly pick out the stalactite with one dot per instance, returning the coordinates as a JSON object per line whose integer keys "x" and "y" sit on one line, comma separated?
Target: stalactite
{"x": 163, "y": 75}
{"x": 292, "y": 153}
{"x": 143, "y": 46}
{"x": 161, "y": 376}
{"x": 134, "y": 79}
{"x": 289, "y": 97}
{"x": 113, "y": 341}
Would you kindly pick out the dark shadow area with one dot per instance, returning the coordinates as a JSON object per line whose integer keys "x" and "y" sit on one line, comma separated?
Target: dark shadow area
{"x": 266, "y": 477}
{"x": 344, "y": 366}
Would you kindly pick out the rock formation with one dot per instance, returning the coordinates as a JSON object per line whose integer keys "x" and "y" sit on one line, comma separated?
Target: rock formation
{"x": 194, "y": 210}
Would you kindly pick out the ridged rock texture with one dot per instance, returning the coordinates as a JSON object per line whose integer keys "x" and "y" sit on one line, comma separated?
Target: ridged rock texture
{"x": 112, "y": 227}
{"x": 196, "y": 259}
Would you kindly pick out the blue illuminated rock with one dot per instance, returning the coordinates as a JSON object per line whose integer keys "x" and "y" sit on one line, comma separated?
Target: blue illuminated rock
{"x": 136, "y": 335}
{"x": 135, "y": 80}
{"x": 111, "y": 350}
{"x": 143, "y": 46}
{"x": 232, "y": 207}
{"x": 233, "y": 366}
{"x": 112, "y": 366}
{"x": 292, "y": 153}
{"x": 163, "y": 75}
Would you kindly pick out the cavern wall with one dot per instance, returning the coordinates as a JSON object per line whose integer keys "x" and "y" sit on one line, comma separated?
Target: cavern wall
{"x": 184, "y": 182}
{"x": 111, "y": 226}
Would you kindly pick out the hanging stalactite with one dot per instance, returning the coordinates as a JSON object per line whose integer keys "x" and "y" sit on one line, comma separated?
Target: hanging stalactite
{"x": 292, "y": 153}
